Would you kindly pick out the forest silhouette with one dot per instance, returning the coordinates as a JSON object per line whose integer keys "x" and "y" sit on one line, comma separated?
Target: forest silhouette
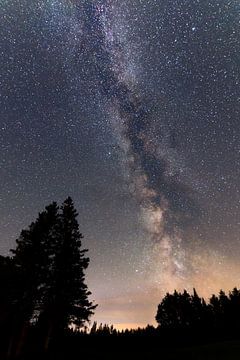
{"x": 45, "y": 309}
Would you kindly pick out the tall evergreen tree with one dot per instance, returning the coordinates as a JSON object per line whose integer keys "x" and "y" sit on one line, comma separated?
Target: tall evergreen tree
{"x": 66, "y": 298}
{"x": 31, "y": 260}
{"x": 50, "y": 265}
{"x": 72, "y": 264}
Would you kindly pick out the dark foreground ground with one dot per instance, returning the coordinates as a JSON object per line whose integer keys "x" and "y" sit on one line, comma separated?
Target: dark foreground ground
{"x": 227, "y": 350}
{"x": 218, "y": 351}
{"x": 204, "y": 344}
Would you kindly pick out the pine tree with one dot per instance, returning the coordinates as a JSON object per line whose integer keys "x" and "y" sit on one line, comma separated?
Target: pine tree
{"x": 66, "y": 299}
{"x": 50, "y": 265}
{"x": 234, "y": 308}
{"x": 72, "y": 264}
{"x": 31, "y": 259}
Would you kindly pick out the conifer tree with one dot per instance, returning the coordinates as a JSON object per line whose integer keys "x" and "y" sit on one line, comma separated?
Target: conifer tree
{"x": 31, "y": 259}
{"x": 66, "y": 299}
{"x": 50, "y": 265}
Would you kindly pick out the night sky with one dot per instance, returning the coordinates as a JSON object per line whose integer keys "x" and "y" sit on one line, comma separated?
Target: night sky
{"x": 132, "y": 108}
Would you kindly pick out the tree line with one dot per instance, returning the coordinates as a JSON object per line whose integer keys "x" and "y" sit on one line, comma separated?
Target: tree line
{"x": 183, "y": 311}
{"x": 44, "y": 296}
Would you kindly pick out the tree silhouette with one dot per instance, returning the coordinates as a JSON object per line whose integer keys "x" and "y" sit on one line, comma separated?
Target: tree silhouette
{"x": 31, "y": 259}
{"x": 226, "y": 310}
{"x": 66, "y": 297}
{"x": 234, "y": 310}
{"x": 50, "y": 264}
{"x": 174, "y": 310}
{"x": 182, "y": 311}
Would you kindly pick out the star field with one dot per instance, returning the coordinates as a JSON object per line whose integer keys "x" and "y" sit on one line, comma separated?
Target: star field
{"x": 131, "y": 108}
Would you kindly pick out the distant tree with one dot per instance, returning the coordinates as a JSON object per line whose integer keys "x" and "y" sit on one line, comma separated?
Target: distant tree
{"x": 226, "y": 310}
{"x": 172, "y": 310}
{"x": 93, "y": 329}
{"x": 182, "y": 311}
{"x": 219, "y": 306}
{"x": 199, "y": 310}
{"x": 102, "y": 329}
{"x": 234, "y": 310}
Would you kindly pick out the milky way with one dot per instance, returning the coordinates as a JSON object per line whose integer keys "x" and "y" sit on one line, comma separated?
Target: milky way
{"x": 132, "y": 108}
{"x": 163, "y": 199}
